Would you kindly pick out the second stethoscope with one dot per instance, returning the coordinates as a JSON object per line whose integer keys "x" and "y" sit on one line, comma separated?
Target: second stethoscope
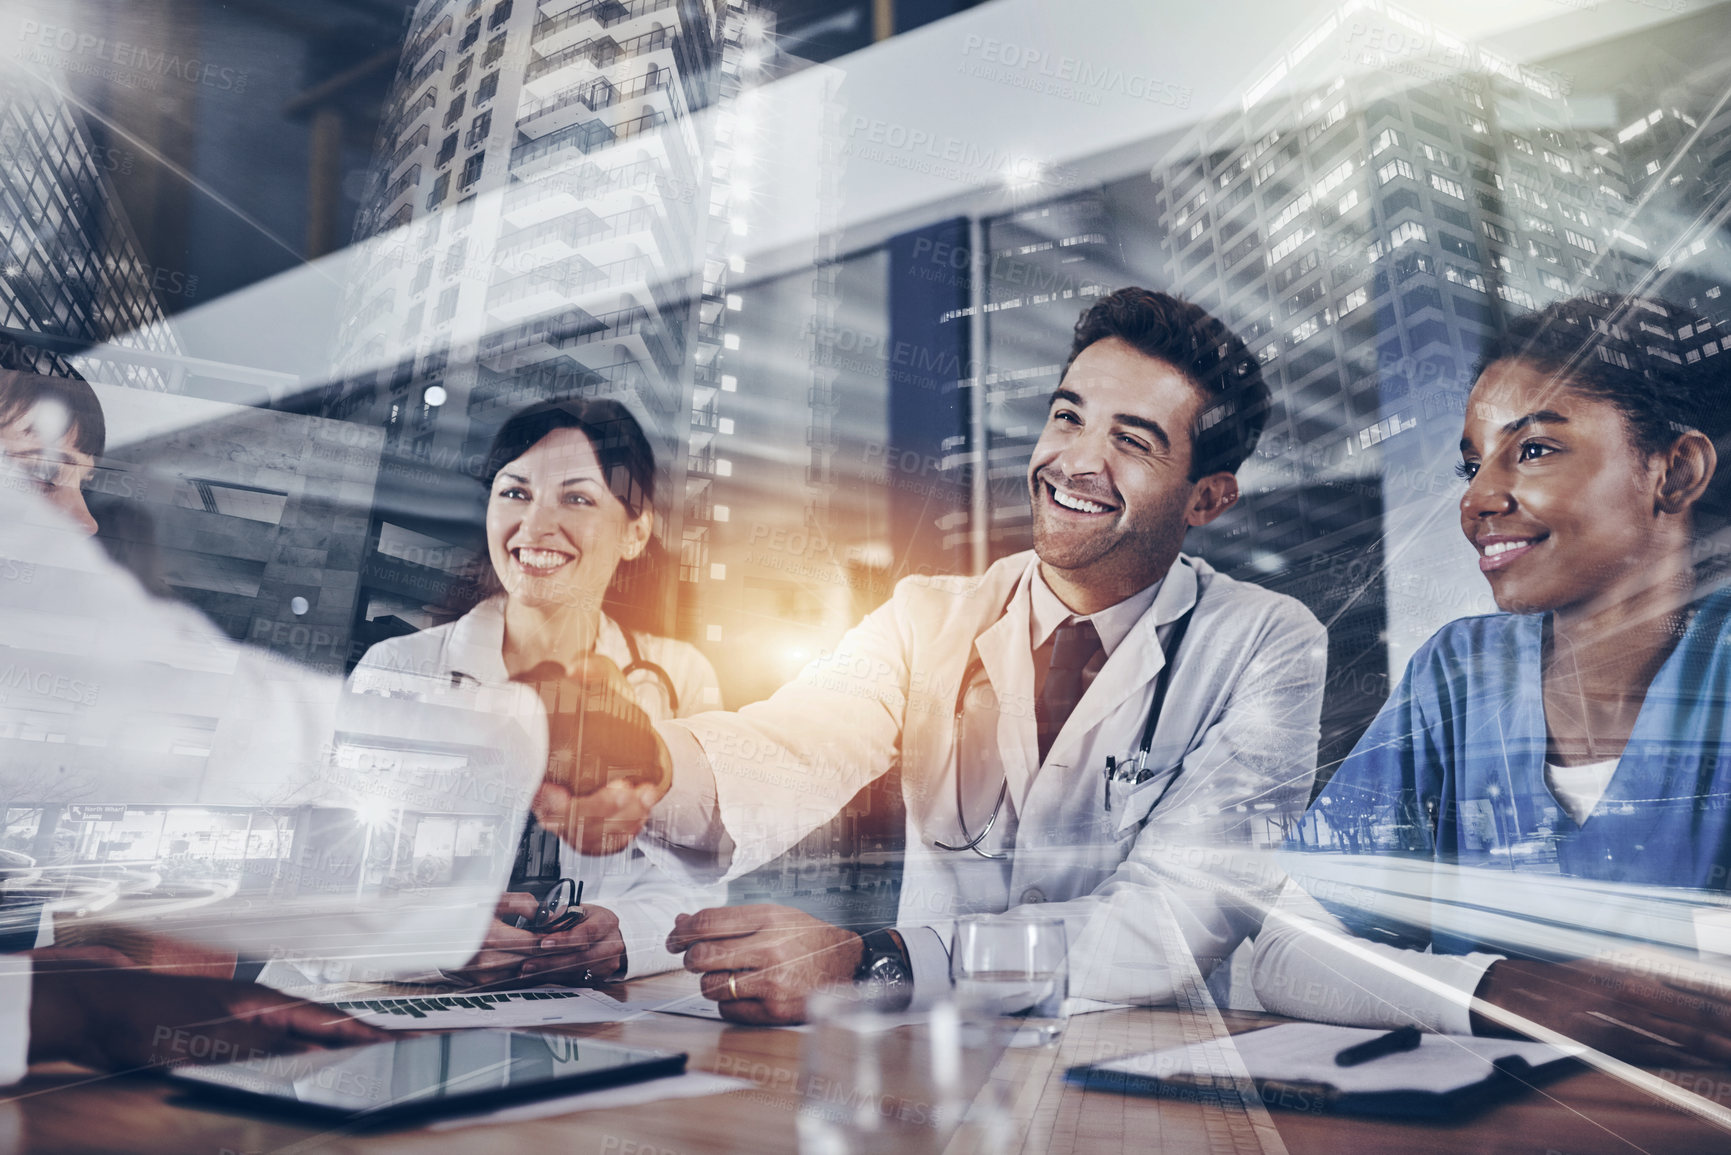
{"x": 1135, "y": 769}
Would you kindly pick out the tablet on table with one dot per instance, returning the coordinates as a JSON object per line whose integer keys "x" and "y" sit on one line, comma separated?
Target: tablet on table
{"x": 414, "y": 1079}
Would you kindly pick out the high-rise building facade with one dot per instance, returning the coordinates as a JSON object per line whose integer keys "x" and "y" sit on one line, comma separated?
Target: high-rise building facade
{"x": 70, "y": 266}
{"x": 1366, "y": 219}
{"x": 550, "y": 217}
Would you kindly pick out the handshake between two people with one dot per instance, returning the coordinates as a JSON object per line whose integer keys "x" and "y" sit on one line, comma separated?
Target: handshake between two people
{"x": 606, "y": 765}
{"x": 606, "y": 770}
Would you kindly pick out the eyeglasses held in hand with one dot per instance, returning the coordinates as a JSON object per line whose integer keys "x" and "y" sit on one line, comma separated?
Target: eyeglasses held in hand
{"x": 559, "y": 909}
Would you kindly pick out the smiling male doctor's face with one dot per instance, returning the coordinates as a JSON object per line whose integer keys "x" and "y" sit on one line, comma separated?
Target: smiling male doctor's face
{"x": 1110, "y": 476}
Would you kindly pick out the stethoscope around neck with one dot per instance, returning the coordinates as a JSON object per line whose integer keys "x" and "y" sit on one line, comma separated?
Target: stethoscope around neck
{"x": 637, "y": 664}
{"x": 1135, "y": 769}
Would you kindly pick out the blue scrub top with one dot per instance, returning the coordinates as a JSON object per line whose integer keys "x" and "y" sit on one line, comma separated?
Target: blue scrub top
{"x": 1453, "y": 768}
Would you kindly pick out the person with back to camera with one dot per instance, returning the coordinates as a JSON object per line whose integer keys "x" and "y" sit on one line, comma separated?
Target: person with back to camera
{"x": 1581, "y": 732}
{"x": 92, "y": 1005}
{"x": 571, "y": 574}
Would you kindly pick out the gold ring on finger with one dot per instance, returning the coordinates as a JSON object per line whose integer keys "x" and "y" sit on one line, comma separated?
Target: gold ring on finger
{"x": 733, "y": 985}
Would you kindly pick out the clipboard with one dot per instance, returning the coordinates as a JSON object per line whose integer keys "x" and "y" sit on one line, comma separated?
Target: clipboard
{"x": 1293, "y": 1068}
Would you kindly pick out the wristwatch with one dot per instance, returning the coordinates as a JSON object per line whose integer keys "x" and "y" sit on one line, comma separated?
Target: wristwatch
{"x": 884, "y": 969}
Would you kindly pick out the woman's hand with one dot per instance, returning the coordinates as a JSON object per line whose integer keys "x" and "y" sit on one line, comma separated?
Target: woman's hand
{"x": 592, "y": 951}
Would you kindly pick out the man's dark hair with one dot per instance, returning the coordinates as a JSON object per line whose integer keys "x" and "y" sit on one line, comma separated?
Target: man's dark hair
{"x": 1649, "y": 359}
{"x": 1208, "y": 354}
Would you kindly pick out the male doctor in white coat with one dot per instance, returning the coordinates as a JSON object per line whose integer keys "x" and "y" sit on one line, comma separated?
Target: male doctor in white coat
{"x": 1045, "y": 798}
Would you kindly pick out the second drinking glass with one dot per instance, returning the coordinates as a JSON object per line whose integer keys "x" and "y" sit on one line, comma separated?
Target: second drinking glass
{"x": 1016, "y": 967}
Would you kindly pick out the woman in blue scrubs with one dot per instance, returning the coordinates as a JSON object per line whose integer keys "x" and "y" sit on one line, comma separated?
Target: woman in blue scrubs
{"x": 1582, "y": 734}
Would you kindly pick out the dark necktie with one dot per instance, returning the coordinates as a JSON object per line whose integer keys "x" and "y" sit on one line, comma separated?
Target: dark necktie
{"x": 1073, "y": 647}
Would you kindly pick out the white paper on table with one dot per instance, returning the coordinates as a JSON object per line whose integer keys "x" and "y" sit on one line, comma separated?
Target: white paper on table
{"x": 1305, "y": 1052}
{"x": 690, "y": 1085}
{"x": 696, "y": 1006}
{"x": 699, "y": 1007}
{"x": 539, "y": 1007}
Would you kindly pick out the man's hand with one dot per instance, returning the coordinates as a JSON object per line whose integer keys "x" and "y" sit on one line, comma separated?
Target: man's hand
{"x": 760, "y": 962}
{"x": 86, "y": 1011}
{"x": 590, "y": 952}
{"x": 1621, "y": 1009}
{"x": 606, "y": 765}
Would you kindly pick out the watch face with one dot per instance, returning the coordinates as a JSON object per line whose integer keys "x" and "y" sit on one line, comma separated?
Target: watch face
{"x": 888, "y": 972}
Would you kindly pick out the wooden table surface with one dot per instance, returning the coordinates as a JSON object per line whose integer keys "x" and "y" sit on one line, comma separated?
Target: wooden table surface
{"x": 60, "y": 1109}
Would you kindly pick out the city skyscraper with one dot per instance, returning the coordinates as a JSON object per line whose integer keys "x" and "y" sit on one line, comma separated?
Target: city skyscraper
{"x": 71, "y": 270}
{"x": 549, "y": 217}
{"x": 1382, "y": 199}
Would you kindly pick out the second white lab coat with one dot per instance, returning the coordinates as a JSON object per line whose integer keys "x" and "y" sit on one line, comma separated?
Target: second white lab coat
{"x": 1235, "y": 754}
{"x": 462, "y": 663}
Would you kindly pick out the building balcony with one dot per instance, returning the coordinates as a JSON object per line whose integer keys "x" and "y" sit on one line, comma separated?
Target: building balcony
{"x": 598, "y": 240}
{"x": 433, "y": 64}
{"x": 400, "y": 121}
{"x": 539, "y": 293}
{"x": 497, "y": 395}
{"x": 398, "y": 219}
{"x": 416, "y": 140}
{"x": 571, "y": 104}
{"x": 584, "y": 138}
{"x": 563, "y": 285}
{"x": 586, "y": 20}
{"x": 423, "y": 43}
{"x": 551, "y": 72}
{"x": 631, "y": 335}
{"x": 427, "y": 17}
{"x": 600, "y": 190}
{"x": 410, "y": 178}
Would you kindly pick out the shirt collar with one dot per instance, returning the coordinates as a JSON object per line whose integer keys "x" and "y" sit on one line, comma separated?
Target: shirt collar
{"x": 1113, "y": 623}
{"x": 477, "y": 644}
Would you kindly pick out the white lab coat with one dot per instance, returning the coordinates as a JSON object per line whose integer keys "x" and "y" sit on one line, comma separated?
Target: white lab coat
{"x": 99, "y": 678}
{"x": 1236, "y": 743}
{"x": 462, "y": 663}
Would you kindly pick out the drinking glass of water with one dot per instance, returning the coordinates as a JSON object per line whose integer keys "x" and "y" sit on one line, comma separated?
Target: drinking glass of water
{"x": 1016, "y": 967}
{"x": 882, "y": 1082}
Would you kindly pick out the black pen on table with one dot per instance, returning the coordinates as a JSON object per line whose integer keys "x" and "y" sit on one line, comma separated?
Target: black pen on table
{"x": 1397, "y": 1040}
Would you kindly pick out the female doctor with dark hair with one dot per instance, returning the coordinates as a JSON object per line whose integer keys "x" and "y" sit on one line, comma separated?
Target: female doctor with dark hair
{"x": 1584, "y": 732}
{"x": 570, "y": 513}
